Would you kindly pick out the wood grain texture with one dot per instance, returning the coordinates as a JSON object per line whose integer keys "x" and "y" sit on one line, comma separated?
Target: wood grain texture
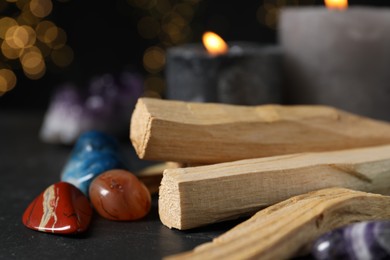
{"x": 287, "y": 228}
{"x": 205, "y": 133}
{"x": 196, "y": 196}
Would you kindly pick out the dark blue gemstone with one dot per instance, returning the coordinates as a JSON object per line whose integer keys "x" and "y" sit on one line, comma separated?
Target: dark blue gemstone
{"x": 92, "y": 141}
{"x": 93, "y": 154}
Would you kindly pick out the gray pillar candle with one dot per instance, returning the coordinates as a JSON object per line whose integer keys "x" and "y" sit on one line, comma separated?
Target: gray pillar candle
{"x": 248, "y": 74}
{"x": 338, "y": 58}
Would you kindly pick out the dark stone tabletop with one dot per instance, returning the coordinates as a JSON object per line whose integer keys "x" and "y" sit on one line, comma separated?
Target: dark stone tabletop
{"x": 28, "y": 166}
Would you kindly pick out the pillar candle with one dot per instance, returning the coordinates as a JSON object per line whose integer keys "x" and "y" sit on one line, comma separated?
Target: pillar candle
{"x": 338, "y": 58}
{"x": 247, "y": 74}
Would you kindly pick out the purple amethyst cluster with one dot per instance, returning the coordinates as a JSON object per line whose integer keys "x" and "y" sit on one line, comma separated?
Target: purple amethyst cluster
{"x": 106, "y": 105}
{"x": 360, "y": 241}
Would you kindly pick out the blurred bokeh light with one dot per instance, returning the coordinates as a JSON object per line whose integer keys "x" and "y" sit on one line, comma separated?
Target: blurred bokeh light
{"x": 27, "y": 36}
{"x": 168, "y": 23}
{"x": 44, "y": 43}
{"x": 7, "y": 80}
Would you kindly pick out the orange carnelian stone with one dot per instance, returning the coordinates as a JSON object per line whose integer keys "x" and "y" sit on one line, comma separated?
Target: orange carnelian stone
{"x": 119, "y": 195}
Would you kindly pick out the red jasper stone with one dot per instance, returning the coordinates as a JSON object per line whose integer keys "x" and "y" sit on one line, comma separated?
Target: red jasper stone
{"x": 60, "y": 209}
{"x": 119, "y": 195}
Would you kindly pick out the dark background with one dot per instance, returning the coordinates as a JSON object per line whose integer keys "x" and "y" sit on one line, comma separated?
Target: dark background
{"x": 104, "y": 38}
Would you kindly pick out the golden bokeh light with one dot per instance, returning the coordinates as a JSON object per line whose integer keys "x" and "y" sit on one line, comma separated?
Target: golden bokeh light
{"x": 29, "y": 38}
{"x": 33, "y": 63}
{"x": 9, "y": 52}
{"x": 31, "y": 58}
{"x": 62, "y": 57}
{"x": 19, "y": 37}
{"x": 5, "y": 24}
{"x": 46, "y": 32}
{"x": 37, "y": 75}
{"x": 27, "y": 18}
{"x": 41, "y": 8}
{"x": 60, "y": 40}
{"x": 168, "y": 22}
{"x": 173, "y": 20}
{"x": 176, "y": 29}
{"x": 10, "y": 37}
{"x": 32, "y": 49}
{"x": 7, "y": 80}
{"x": 22, "y": 5}
{"x": 154, "y": 59}
{"x": 22, "y": 36}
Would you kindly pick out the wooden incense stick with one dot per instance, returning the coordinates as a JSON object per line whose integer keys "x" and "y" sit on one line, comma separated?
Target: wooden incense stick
{"x": 212, "y": 133}
{"x": 151, "y": 176}
{"x": 196, "y": 196}
{"x": 285, "y": 229}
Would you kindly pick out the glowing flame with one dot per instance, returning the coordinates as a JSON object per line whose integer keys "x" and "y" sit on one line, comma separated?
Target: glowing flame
{"x": 336, "y": 4}
{"x": 214, "y": 44}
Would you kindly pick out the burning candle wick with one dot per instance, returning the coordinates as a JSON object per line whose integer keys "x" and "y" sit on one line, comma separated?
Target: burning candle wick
{"x": 214, "y": 44}
{"x": 336, "y": 4}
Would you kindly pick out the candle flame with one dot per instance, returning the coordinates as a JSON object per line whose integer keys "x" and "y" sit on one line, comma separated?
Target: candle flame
{"x": 336, "y": 4}
{"x": 214, "y": 44}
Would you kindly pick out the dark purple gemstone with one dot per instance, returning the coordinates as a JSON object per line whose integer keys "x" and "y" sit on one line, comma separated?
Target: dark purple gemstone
{"x": 106, "y": 105}
{"x": 364, "y": 240}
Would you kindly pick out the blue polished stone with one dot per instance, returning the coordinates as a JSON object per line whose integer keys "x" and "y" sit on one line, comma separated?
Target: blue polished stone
{"x": 361, "y": 241}
{"x": 93, "y": 154}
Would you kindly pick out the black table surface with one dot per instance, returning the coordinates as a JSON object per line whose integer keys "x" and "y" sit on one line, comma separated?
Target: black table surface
{"x": 28, "y": 166}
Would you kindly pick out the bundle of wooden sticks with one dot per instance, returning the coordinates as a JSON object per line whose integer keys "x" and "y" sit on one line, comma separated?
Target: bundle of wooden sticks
{"x": 249, "y": 158}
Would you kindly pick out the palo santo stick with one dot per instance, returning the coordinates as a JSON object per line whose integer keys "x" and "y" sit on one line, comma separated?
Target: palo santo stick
{"x": 285, "y": 229}
{"x": 212, "y": 133}
{"x": 196, "y": 196}
{"x": 151, "y": 176}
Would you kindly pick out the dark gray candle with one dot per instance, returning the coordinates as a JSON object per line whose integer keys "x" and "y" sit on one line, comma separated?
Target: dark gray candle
{"x": 338, "y": 58}
{"x": 247, "y": 74}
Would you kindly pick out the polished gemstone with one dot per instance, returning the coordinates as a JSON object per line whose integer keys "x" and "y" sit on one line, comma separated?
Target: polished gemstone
{"x": 95, "y": 141}
{"x": 363, "y": 240}
{"x": 119, "y": 195}
{"x": 104, "y": 104}
{"x": 94, "y": 153}
{"x": 60, "y": 209}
